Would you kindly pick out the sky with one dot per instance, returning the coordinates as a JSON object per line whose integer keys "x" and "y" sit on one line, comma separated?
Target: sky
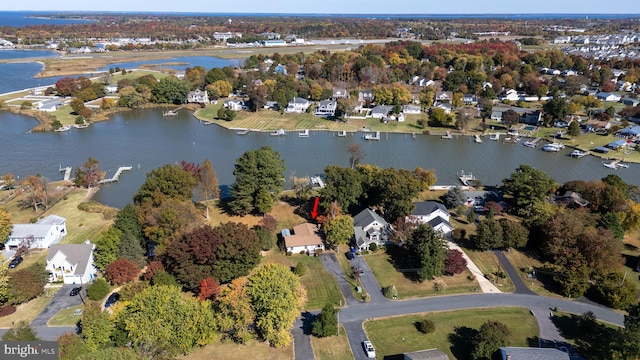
{"x": 336, "y": 6}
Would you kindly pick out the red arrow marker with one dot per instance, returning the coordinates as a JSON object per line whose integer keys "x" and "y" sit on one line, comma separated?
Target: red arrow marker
{"x": 314, "y": 212}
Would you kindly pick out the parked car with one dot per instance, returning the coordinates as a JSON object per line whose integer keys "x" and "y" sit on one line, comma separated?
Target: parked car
{"x": 113, "y": 298}
{"x": 349, "y": 255}
{"x": 368, "y": 348}
{"x": 357, "y": 270}
{"x": 15, "y": 262}
{"x": 75, "y": 291}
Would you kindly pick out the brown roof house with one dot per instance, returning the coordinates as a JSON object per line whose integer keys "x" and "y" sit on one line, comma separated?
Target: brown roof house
{"x": 71, "y": 263}
{"x": 305, "y": 238}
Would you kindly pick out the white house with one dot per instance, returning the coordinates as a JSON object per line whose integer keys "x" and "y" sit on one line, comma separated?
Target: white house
{"x": 198, "y": 96}
{"x": 444, "y": 106}
{"x": 340, "y": 94}
{"x": 607, "y": 96}
{"x": 370, "y": 227}
{"x": 381, "y": 111}
{"x": 111, "y": 88}
{"x": 326, "y": 108}
{"x": 49, "y": 105}
{"x": 298, "y": 105}
{"x": 305, "y": 238}
{"x": 235, "y": 105}
{"x": 411, "y": 109}
{"x": 71, "y": 263}
{"x": 444, "y": 96}
{"x": 432, "y": 213}
{"x": 44, "y": 233}
{"x": 509, "y": 94}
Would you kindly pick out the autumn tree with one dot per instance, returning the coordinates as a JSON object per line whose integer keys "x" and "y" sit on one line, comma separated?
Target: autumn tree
{"x": 5, "y": 225}
{"x": 338, "y": 230}
{"x": 209, "y": 289}
{"x": 510, "y": 118}
{"x": 427, "y": 250}
{"x": 277, "y": 298}
{"x": 96, "y": 326}
{"x": 90, "y": 174}
{"x": 36, "y": 193}
{"x": 207, "y": 186}
{"x": 233, "y": 311}
{"x": 168, "y": 181}
{"x": 169, "y": 220}
{"x": 121, "y": 271}
{"x": 21, "y": 332}
{"x": 356, "y": 155}
{"x": 8, "y": 181}
{"x": 259, "y": 181}
{"x": 454, "y": 263}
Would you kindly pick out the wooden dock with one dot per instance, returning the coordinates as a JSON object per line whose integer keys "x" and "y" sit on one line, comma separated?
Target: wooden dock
{"x": 372, "y": 136}
{"x": 67, "y": 172}
{"x": 116, "y": 176}
{"x": 447, "y": 136}
{"x": 243, "y": 131}
{"x": 477, "y": 139}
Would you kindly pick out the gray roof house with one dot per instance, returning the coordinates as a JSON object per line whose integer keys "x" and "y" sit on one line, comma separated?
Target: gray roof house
{"x": 41, "y": 235}
{"x": 326, "y": 108}
{"x": 432, "y": 213}
{"x": 381, "y": 111}
{"x": 633, "y": 131}
{"x": 523, "y": 353}
{"x": 198, "y": 96}
{"x": 370, "y": 227}
{"x": 71, "y": 263}
{"x": 298, "y": 105}
{"x": 431, "y": 354}
{"x": 49, "y": 105}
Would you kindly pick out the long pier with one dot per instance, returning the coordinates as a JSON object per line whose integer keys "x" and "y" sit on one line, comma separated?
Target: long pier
{"x": 116, "y": 176}
{"x": 67, "y": 172}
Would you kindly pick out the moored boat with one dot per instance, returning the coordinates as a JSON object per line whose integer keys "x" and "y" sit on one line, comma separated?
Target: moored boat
{"x": 280, "y": 132}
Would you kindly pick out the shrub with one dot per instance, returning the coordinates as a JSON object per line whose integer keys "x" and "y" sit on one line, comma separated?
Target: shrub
{"x": 426, "y": 326}
{"x": 373, "y": 246}
{"x": 300, "y": 269}
{"x": 390, "y": 292}
{"x": 7, "y": 310}
{"x": 26, "y": 284}
{"x": 121, "y": 271}
{"x": 162, "y": 277}
{"x": 129, "y": 291}
{"x": 454, "y": 263}
{"x": 98, "y": 290}
{"x": 326, "y": 323}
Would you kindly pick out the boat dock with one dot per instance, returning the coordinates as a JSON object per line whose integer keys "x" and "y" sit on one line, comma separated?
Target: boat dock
{"x": 67, "y": 172}
{"x": 532, "y": 143}
{"x": 303, "y": 133}
{"x": 317, "y": 180}
{"x": 243, "y": 131}
{"x": 342, "y": 133}
{"x": 373, "y": 136}
{"x": 116, "y": 176}
{"x": 466, "y": 178}
{"x": 447, "y": 136}
{"x": 477, "y": 139}
{"x": 579, "y": 154}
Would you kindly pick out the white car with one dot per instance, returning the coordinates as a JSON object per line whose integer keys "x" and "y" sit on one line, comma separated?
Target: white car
{"x": 368, "y": 348}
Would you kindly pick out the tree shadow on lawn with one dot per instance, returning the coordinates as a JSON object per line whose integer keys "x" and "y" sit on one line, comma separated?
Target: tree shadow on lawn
{"x": 631, "y": 261}
{"x": 399, "y": 258}
{"x": 590, "y": 337}
{"x": 461, "y": 341}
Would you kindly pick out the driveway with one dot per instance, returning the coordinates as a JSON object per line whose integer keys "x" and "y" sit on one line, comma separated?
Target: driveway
{"x": 331, "y": 264}
{"x": 356, "y": 335}
{"x": 369, "y": 281}
{"x": 302, "y": 336}
{"x": 521, "y": 287}
{"x": 60, "y": 301}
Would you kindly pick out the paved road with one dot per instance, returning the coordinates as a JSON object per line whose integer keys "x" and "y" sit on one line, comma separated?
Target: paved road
{"x": 48, "y": 333}
{"x": 521, "y": 287}
{"x": 60, "y": 301}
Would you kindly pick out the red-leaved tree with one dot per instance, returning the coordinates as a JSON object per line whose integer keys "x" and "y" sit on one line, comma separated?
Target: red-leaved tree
{"x": 121, "y": 271}
{"x": 209, "y": 289}
{"x": 454, "y": 263}
{"x": 152, "y": 268}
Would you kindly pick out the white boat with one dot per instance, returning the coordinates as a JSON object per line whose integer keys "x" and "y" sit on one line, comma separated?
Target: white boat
{"x": 578, "y": 154}
{"x": 280, "y": 132}
{"x": 553, "y": 147}
{"x": 342, "y": 133}
{"x": 531, "y": 143}
{"x": 615, "y": 165}
{"x": 81, "y": 126}
{"x": 477, "y": 139}
{"x": 242, "y": 131}
{"x": 372, "y": 136}
{"x": 495, "y": 137}
{"x": 303, "y": 133}
{"x": 63, "y": 128}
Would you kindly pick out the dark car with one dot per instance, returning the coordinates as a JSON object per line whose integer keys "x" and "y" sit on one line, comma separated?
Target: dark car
{"x": 15, "y": 262}
{"x": 349, "y": 255}
{"x": 75, "y": 291}
{"x": 113, "y": 298}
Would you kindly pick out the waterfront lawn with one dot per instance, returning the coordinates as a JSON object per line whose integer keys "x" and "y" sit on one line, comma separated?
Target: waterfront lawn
{"x": 66, "y": 317}
{"x": 489, "y": 264}
{"x": 396, "y": 335}
{"x": 332, "y": 347}
{"x": 254, "y": 350}
{"x": 381, "y": 264}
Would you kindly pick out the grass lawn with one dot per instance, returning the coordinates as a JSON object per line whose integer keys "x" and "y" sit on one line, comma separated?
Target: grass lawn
{"x": 396, "y": 335}
{"x": 25, "y": 312}
{"x": 332, "y": 348}
{"x": 521, "y": 261}
{"x": 631, "y": 255}
{"x": 489, "y": 264}
{"x": 230, "y": 351}
{"x": 66, "y": 317}
{"x": 322, "y": 288}
{"x": 386, "y": 274}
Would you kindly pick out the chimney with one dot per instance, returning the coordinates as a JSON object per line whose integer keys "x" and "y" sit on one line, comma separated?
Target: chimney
{"x": 508, "y": 356}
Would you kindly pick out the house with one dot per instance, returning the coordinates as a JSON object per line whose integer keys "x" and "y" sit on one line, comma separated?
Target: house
{"x": 340, "y": 94}
{"x": 273, "y": 105}
{"x": 569, "y": 72}
{"x": 593, "y": 125}
{"x": 432, "y": 213}
{"x": 71, "y": 263}
{"x": 470, "y": 99}
{"x": 523, "y": 353}
{"x": 630, "y": 132}
{"x": 365, "y": 96}
{"x": 571, "y": 199}
{"x": 607, "y": 96}
{"x": 622, "y": 85}
{"x": 411, "y": 109}
{"x": 236, "y": 105}
{"x": 431, "y": 354}
{"x": 381, "y": 111}
{"x": 369, "y": 228}
{"x": 442, "y": 96}
{"x": 305, "y": 238}
{"x": 532, "y": 118}
{"x": 326, "y": 108}
{"x": 617, "y": 144}
{"x": 49, "y": 105}
{"x": 444, "y": 106}
{"x": 111, "y": 88}
{"x": 298, "y": 105}
{"x": 509, "y": 94}
{"x": 47, "y": 231}
{"x": 630, "y": 101}
{"x": 198, "y": 96}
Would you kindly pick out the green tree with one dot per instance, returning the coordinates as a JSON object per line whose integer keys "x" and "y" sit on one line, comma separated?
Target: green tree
{"x": 215, "y": 74}
{"x": 5, "y": 225}
{"x": 400, "y": 187}
{"x": 107, "y": 247}
{"x": 259, "y": 181}
{"x": 615, "y": 291}
{"x": 71, "y": 346}
{"x": 98, "y": 290}
{"x": 96, "y": 326}
{"x": 428, "y": 252}
{"x": 76, "y": 105}
{"x": 170, "y": 90}
{"x": 438, "y": 117}
{"x": 630, "y": 336}
{"x": 573, "y": 280}
{"x": 127, "y": 221}
{"x": 4, "y": 282}
{"x": 343, "y": 185}
{"x": 226, "y": 114}
{"x": 454, "y": 198}
{"x": 491, "y": 337}
{"x": 427, "y": 96}
{"x": 611, "y": 222}
{"x": 161, "y": 322}
{"x": 526, "y": 186}
{"x": 130, "y": 249}
{"x": 489, "y": 235}
{"x": 574, "y": 129}
{"x": 514, "y": 234}
{"x": 20, "y": 332}
{"x": 338, "y": 230}
{"x": 556, "y": 108}
{"x": 168, "y": 181}
{"x": 277, "y": 298}
{"x": 121, "y": 353}
{"x": 326, "y": 323}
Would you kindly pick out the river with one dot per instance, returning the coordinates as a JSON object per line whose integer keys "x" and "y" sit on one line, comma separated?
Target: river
{"x": 147, "y": 138}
